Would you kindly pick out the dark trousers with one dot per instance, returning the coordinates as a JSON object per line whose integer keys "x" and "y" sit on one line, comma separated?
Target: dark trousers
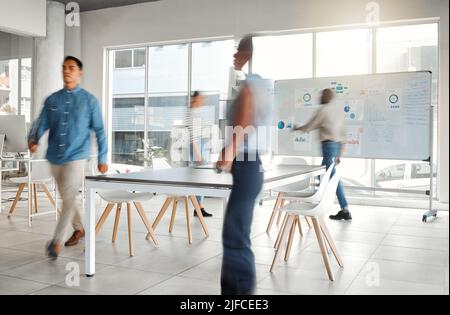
{"x": 238, "y": 265}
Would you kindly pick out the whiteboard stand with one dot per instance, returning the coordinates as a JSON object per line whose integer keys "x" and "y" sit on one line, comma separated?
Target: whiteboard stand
{"x": 431, "y": 213}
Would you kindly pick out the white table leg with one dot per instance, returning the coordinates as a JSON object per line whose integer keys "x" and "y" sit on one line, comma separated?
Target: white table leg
{"x": 89, "y": 213}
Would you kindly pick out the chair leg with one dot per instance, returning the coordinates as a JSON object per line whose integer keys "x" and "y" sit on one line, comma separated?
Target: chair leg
{"x": 274, "y": 212}
{"x": 323, "y": 250}
{"x": 162, "y": 212}
{"x": 16, "y": 199}
{"x": 130, "y": 234}
{"x": 188, "y": 222}
{"x": 103, "y": 217}
{"x": 308, "y": 221}
{"x": 291, "y": 238}
{"x": 49, "y": 195}
{"x": 199, "y": 214}
{"x": 330, "y": 241}
{"x": 147, "y": 224}
{"x": 300, "y": 229}
{"x": 282, "y": 237}
{"x": 279, "y": 212}
{"x": 277, "y": 242}
{"x": 35, "y": 198}
{"x": 172, "y": 217}
{"x": 116, "y": 222}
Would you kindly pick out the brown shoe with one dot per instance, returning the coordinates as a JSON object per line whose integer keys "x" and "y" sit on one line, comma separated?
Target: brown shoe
{"x": 75, "y": 238}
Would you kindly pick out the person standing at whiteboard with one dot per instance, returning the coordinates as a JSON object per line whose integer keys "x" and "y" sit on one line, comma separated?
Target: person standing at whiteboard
{"x": 332, "y": 135}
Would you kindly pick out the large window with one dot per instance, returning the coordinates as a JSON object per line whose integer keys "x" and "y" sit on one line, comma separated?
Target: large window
{"x": 345, "y": 52}
{"x": 127, "y": 109}
{"x": 284, "y": 57}
{"x": 15, "y": 87}
{"x": 168, "y": 92}
{"x": 173, "y": 73}
{"x": 409, "y": 48}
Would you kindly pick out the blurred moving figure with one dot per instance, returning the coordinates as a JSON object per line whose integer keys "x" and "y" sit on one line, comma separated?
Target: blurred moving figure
{"x": 70, "y": 115}
{"x": 249, "y": 117}
{"x": 332, "y": 136}
{"x": 196, "y": 124}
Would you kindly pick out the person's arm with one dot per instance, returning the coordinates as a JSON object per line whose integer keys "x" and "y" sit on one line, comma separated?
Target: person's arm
{"x": 243, "y": 118}
{"x": 99, "y": 129}
{"x": 40, "y": 126}
{"x": 197, "y": 154}
{"x": 313, "y": 124}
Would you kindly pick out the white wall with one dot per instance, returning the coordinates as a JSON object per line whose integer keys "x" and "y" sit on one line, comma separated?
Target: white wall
{"x": 181, "y": 19}
{"x": 13, "y": 46}
{"x": 23, "y": 17}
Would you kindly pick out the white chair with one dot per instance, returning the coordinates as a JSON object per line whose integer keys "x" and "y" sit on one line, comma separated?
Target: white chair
{"x": 117, "y": 198}
{"x": 162, "y": 164}
{"x": 308, "y": 197}
{"x": 301, "y": 186}
{"x": 315, "y": 211}
{"x": 40, "y": 175}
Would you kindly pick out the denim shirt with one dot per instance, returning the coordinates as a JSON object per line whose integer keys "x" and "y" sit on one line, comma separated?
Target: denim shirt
{"x": 70, "y": 116}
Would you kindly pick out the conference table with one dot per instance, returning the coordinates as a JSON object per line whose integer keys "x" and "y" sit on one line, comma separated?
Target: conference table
{"x": 179, "y": 181}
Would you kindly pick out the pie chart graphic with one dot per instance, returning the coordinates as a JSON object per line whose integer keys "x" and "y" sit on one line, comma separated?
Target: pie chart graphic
{"x": 307, "y": 97}
{"x": 393, "y": 99}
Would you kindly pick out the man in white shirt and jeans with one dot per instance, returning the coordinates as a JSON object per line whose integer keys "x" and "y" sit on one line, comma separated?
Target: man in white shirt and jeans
{"x": 332, "y": 135}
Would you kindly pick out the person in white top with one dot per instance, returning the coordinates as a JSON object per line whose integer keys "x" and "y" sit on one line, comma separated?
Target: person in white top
{"x": 198, "y": 137}
{"x": 331, "y": 126}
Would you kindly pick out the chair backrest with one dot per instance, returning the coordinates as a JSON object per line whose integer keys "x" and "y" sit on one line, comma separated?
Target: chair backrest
{"x": 324, "y": 181}
{"x": 40, "y": 170}
{"x": 328, "y": 197}
{"x": 294, "y": 160}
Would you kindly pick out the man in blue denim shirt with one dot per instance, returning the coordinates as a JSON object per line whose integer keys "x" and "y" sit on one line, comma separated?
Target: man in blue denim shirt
{"x": 70, "y": 115}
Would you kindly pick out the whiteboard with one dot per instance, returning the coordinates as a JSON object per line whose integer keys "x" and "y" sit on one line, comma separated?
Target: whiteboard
{"x": 387, "y": 116}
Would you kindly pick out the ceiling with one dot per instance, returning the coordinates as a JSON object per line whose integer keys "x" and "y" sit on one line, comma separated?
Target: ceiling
{"x": 89, "y": 5}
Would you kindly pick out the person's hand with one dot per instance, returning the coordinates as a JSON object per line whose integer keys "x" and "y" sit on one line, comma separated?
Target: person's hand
{"x": 32, "y": 147}
{"x": 103, "y": 168}
{"x": 199, "y": 162}
{"x": 224, "y": 166}
{"x": 297, "y": 128}
{"x": 337, "y": 160}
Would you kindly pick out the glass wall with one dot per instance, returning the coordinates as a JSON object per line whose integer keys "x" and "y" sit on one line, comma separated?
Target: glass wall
{"x": 127, "y": 108}
{"x": 408, "y": 48}
{"x": 15, "y": 75}
{"x": 173, "y": 73}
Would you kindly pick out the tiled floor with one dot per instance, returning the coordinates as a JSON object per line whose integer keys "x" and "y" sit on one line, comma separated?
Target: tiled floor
{"x": 385, "y": 251}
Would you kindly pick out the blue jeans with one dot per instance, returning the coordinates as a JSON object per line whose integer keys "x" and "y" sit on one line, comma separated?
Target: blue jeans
{"x": 238, "y": 264}
{"x": 331, "y": 150}
{"x": 202, "y": 146}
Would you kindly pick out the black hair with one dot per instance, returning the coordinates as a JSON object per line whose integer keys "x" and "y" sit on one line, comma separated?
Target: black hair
{"x": 196, "y": 93}
{"x": 246, "y": 44}
{"x": 78, "y": 61}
